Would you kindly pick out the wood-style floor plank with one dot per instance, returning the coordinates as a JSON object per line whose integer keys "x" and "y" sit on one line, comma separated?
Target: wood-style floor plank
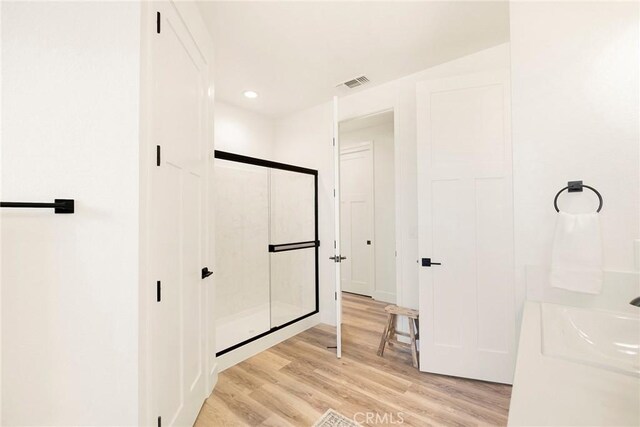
{"x": 296, "y": 381}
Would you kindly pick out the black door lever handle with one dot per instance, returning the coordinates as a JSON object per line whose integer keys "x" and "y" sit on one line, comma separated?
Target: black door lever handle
{"x": 426, "y": 262}
{"x": 206, "y": 273}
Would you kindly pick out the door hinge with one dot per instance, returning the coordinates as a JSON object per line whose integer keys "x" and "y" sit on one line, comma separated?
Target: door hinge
{"x": 159, "y": 421}
{"x": 335, "y": 296}
{"x": 158, "y": 22}
{"x": 334, "y": 244}
{"x": 334, "y": 192}
{"x": 158, "y": 291}
{"x": 334, "y": 141}
{"x": 158, "y": 155}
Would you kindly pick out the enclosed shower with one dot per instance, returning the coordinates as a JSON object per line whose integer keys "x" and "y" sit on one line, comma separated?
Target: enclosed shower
{"x": 266, "y": 247}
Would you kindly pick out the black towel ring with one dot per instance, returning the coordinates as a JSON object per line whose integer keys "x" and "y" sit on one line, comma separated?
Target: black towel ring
{"x": 574, "y": 187}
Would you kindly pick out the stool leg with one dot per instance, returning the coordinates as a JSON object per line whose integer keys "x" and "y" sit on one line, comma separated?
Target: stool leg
{"x": 417, "y": 338}
{"x": 414, "y": 346}
{"x": 392, "y": 329}
{"x": 385, "y": 334}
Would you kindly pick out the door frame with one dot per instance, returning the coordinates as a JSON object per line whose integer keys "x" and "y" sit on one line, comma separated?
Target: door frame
{"x": 401, "y": 251}
{"x": 336, "y": 226}
{"x": 355, "y": 148}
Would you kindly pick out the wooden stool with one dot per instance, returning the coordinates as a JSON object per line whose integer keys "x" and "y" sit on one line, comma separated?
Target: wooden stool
{"x": 390, "y": 331}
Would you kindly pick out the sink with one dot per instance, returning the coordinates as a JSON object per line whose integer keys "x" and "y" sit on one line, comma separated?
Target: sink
{"x": 602, "y": 339}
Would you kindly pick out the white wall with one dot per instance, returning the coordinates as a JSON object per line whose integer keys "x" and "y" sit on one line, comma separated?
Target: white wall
{"x": 576, "y": 113}
{"x": 384, "y": 204}
{"x": 400, "y": 95}
{"x": 71, "y": 75}
{"x": 304, "y": 138}
{"x": 243, "y": 132}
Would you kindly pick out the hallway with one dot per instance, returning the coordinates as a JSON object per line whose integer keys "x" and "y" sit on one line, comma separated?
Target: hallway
{"x": 296, "y": 381}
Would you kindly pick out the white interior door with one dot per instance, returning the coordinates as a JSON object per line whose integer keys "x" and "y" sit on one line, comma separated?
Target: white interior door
{"x": 337, "y": 257}
{"x": 467, "y": 313}
{"x": 356, "y": 194}
{"x": 177, "y": 216}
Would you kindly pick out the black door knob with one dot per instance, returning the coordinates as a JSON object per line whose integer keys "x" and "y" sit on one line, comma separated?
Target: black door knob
{"x": 206, "y": 273}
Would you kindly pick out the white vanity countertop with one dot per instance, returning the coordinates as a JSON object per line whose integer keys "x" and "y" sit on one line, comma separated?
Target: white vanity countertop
{"x": 553, "y": 391}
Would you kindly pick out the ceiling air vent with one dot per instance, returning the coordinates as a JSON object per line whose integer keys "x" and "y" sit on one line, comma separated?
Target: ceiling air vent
{"x": 358, "y": 81}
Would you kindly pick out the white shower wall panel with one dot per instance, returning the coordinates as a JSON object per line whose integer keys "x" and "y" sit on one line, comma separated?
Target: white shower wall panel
{"x": 242, "y": 233}
{"x": 293, "y": 285}
{"x": 292, "y": 207}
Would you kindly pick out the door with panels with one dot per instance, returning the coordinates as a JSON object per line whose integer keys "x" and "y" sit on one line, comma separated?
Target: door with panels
{"x": 177, "y": 232}
{"x": 466, "y": 279}
{"x": 356, "y": 216}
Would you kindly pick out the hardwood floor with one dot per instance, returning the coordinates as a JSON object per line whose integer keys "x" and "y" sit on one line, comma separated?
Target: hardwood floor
{"x": 295, "y": 382}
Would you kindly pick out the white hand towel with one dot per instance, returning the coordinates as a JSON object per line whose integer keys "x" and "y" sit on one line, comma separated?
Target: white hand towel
{"x": 576, "y": 260}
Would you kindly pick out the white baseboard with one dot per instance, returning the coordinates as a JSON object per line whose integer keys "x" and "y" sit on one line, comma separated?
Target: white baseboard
{"x": 389, "y": 297}
{"x": 213, "y": 377}
{"x": 251, "y": 349}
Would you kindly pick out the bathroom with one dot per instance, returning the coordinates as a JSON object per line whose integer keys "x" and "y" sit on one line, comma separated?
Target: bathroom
{"x": 288, "y": 213}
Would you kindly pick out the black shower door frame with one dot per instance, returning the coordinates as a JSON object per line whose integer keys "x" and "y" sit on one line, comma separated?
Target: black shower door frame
{"x": 232, "y": 157}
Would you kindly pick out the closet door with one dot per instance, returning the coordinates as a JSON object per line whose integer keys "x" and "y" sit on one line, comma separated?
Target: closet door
{"x": 357, "y": 217}
{"x": 177, "y": 220}
{"x": 467, "y": 309}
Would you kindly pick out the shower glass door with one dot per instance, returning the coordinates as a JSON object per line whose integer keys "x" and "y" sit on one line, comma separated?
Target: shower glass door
{"x": 241, "y": 270}
{"x": 266, "y": 247}
{"x": 293, "y": 245}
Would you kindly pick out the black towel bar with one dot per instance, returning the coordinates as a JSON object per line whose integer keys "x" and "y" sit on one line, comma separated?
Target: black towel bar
{"x": 576, "y": 187}
{"x": 60, "y": 206}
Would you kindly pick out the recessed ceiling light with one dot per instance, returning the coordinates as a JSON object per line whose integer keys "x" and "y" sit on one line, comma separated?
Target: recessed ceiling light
{"x": 250, "y": 94}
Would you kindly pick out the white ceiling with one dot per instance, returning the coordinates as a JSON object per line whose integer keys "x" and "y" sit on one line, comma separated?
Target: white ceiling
{"x": 295, "y": 53}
